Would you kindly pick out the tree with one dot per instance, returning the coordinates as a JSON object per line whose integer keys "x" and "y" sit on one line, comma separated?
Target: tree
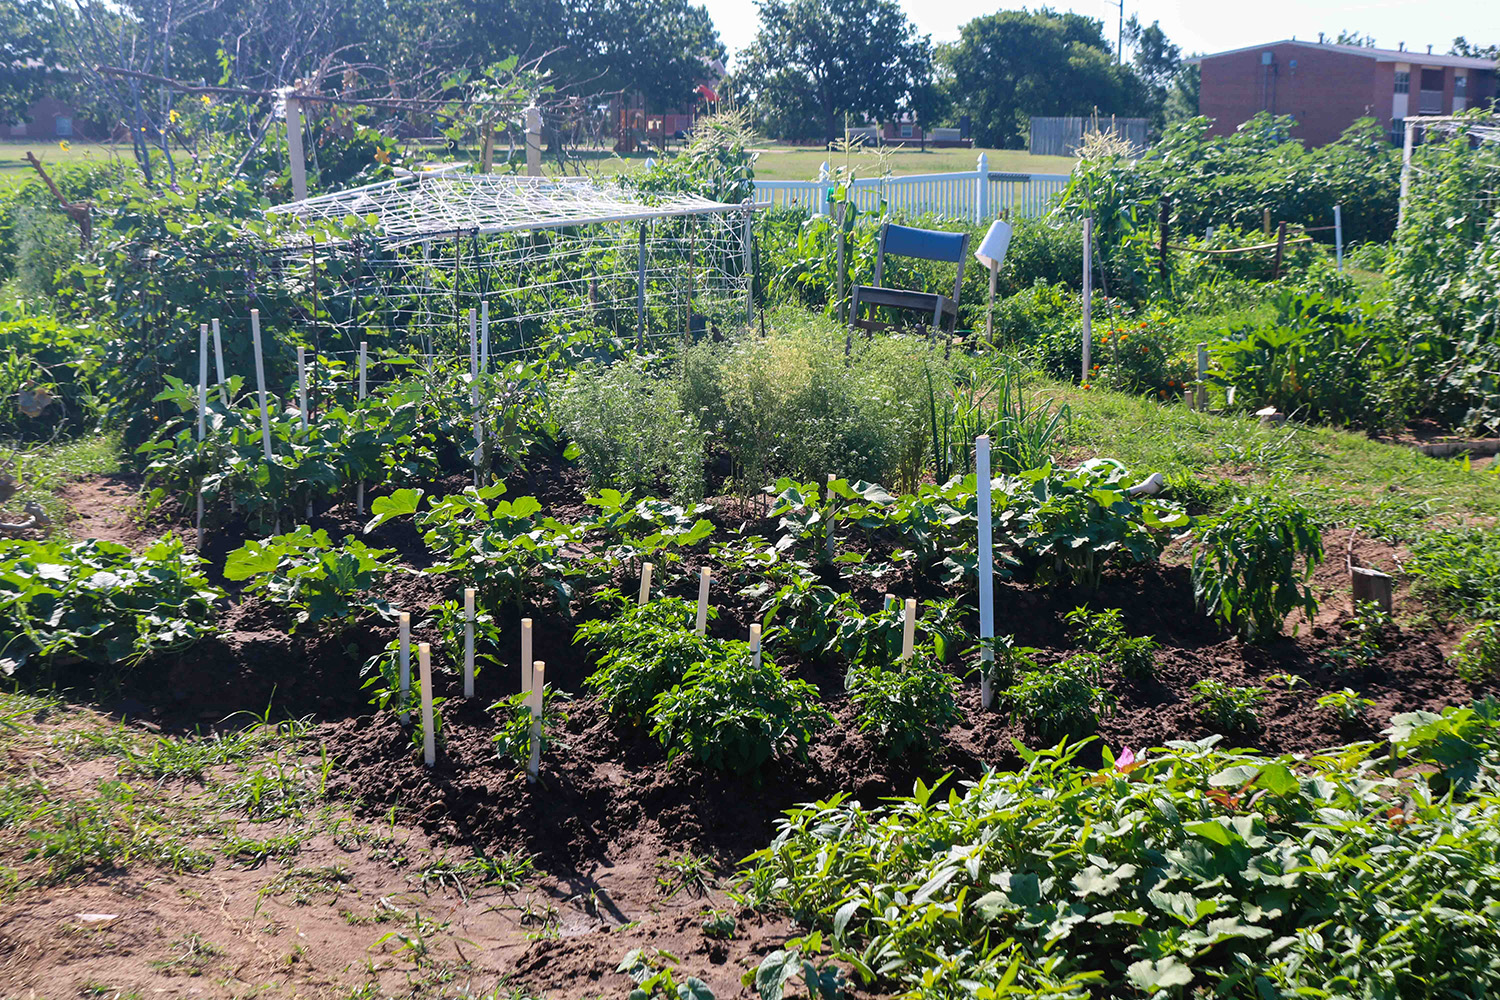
{"x": 1347, "y": 37}
{"x": 814, "y": 61}
{"x": 1463, "y": 47}
{"x": 1156, "y": 59}
{"x": 26, "y": 55}
{"x": 1012, "y": 65}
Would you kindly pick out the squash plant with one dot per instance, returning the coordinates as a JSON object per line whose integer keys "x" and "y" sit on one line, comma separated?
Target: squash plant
{"x": 305, "y": 572}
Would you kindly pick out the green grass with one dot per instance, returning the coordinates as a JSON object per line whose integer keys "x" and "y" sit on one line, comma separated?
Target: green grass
{"x": 1384, "y": 489}
{"x": 14, "y": 170}
{"x": 45, "y": 469}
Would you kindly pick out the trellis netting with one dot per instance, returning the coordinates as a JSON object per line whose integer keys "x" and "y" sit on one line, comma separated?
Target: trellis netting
{"x": 537, "y": 255}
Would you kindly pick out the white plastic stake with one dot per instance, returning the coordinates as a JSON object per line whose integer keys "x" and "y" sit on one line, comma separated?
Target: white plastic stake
{"x": 1201, "y": 393}
{"x": 260, "y": 383}
{"x": 538, "y": 693}
{"x": 468, "y": 642}
{"x": 484, "y": 336}
{"x": 474, "y": 392}
{"x": 1338, "y": 235}
{"x": 202, "y": 411}
{"x": 908, "y": 628}
{"x": 526, "y": 655}
{"x": 645, "y": 583}
{"x": 429, "y": 739}
{"x": 219, "y": 362}
{"x": 405, "y": 664}
{"x": 755, "y": 645}
{"x": 828, "y": 507}
{"x": 1088, "y": 297}
{"x": 359, "y": 494}
{"x": 702, "y": 624}
{"x": 986, "y": 569}
{"x": 302, "y": 384}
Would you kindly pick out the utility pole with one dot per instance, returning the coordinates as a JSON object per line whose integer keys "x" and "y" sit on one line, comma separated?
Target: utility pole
{"x": 1120, "y": 36}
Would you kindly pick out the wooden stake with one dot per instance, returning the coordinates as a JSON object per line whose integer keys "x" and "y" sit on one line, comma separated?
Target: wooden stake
{"x": 1280, "y": 250}
{"x": 755, "y": 645}
{"x": 526, "y": 655}
{"x": 909, "y": 628}
{"x": 468, "y": 642}
{"x": 260, "y": 383}
{"x": 986, "y": 570}
{"x": 645, "y": 583}
{"x": 1201, "y": 392}
{"x": 989, "y": 316}
{"x": 1164, "y": 225}
{"x": 702, "y": 624}
{"x": 1265, "y": 222}
{"x": 538, "y": 696}
{"x": 405, "y": 661}
{"x": 429, "y": 738}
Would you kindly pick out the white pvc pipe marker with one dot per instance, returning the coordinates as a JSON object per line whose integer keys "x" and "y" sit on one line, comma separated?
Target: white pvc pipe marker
{"x": 645, "y": 583}
{"x": 1088, "y": 296}
{"x": 484, "y": 336}
{"x": 302, "y": 384}
{"x": 526, "y": 655}
{"x": 202, "y": 412}
{"x": 219, "y": 362}
{"x": 468, "y": 642}
{"x": 474, "y": 393}
{"x": 538, "y": 692}
{"x": 986, "y": 569}
{"x": 260, "y": 383}
{"x": 429, "y": 738}
{"x": 909, "y": 628}
{"x": 405, "y": 665}
{"x": 755, "y": 645}
{"x": 359, "y": 496}
{"x": 701, "y": 626}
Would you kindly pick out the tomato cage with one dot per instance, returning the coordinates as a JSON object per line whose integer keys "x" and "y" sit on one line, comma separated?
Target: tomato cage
{"x": 529, "y": 258}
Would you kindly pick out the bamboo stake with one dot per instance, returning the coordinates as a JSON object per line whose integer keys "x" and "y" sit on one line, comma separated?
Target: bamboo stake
{"x": 909, "y": 628}
{"x": 468, "y": 642}
{"x": 702, "y": 624}
{"x": 526, "y": 655}
{"x": 429, "y": 739}
{"x": 538, "y": 693}
{"x": 202, "y": 413}
{"x": 986, "y": 570}
{"x": 405, "y": 674}
{"x": 645, "y": 583}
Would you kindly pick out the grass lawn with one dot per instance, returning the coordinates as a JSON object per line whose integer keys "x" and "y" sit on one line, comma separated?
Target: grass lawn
{"x": 45, "y": 469}
{"x": 15, "y": 170}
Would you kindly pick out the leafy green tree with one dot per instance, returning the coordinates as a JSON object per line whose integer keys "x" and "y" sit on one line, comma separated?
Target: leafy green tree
{"x": 814, "y": 61}
{"x": 26, "y": 54}
{"x": 1463, "y": 47}
{"x": 1011, "y": 65}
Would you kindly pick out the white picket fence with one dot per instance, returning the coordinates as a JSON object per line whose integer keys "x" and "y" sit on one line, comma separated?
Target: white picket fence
{"x": 975, "y": 195}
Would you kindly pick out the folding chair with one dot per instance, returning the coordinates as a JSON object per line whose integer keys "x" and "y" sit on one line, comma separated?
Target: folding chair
{"x": 926, "y": 244}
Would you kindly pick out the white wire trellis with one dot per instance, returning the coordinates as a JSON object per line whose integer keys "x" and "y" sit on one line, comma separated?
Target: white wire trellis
{"x": 533, "y": 253}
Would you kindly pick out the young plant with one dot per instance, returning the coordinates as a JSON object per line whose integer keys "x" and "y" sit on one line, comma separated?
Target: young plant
{"x": 513, "y": 741}
{"x": 1103, "y": 632}
{"x": 1009, "y": 660}
{"x": 907, "y": 706}
{"x": 1246, "y": 567}
{"x": 731, "y": 715}
{"x": 1230, "y": 708}
{"x": 306, "y": 573}
{"x": 1061, "y": 700}
{"x": 1476, "y": 658}
{"x": 644, "y": 650}
{"x": 1346, "y": 704}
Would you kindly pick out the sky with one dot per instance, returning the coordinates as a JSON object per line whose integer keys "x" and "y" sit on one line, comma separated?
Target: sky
{"x": 1205, "y": 25}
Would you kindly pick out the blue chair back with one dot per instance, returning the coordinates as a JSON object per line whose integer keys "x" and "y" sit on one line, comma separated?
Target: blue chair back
{"x": 928, "y": 244}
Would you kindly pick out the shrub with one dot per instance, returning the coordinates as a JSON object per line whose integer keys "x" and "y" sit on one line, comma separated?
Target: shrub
{"x": 907, "y": 706}
{"x": 1476, "y": 658}
{"x": 1245, "y": 570}
{"x": 644, "y": 650}
{"x": 59, "y": 364}
{"x": 1230, "y": 708}
{"x": 731, "y": 715}
{"x": 630, "y": 430}
{"x": 1061, "y": 700}
{"x": 1103, "y": 632}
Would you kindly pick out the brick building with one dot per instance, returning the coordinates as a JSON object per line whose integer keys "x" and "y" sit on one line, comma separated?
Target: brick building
{"x": 1326, "y": 86}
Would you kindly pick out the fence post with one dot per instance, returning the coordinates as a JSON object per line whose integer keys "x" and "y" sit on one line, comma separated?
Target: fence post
{"x": 1280, "y": 250}
{"x": 1338, "y": 236}
{"x": 1406, "y": 145}
{"x": 982, "y": 192}
{"x": 294, "y": 148}
{"x": 533, "y": 119}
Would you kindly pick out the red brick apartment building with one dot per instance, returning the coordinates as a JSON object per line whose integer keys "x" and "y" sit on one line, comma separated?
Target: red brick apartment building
{"x": 1326, "y": 86}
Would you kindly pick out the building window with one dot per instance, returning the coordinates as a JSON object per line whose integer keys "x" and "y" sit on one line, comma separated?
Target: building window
{"x": 906, "y": 131}
{"x": 1403, "y": 82}
{"x": 1460, "y": 85}
{"x": 63, "y": 125}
